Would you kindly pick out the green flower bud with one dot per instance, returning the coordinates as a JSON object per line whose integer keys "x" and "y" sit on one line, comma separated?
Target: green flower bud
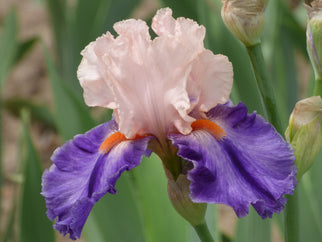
{"x": 314, "y": 36}
{"x": 179, "y": 195}
{"x": 245, "y": 19}
{"x": 304, "y": 132}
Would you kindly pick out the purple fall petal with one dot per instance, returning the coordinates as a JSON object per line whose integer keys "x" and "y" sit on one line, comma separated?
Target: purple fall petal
{"x": 251, "y": 165}
{"x": 81, "y": 175}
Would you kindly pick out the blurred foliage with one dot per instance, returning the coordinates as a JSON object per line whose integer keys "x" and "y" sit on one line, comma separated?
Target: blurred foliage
{"x": 33, "y": 222}
{"x": 141, "y": 206}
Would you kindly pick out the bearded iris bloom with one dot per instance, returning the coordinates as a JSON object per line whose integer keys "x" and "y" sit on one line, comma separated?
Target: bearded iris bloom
{"x": 170, "y": 96}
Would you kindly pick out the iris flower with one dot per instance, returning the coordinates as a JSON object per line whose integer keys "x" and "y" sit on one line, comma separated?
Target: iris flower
{"x": 170, "y": 96}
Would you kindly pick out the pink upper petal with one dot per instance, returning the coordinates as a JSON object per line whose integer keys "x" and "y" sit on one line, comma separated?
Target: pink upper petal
{"x": 213, "y": 74}
{"x": 92, "y": 79}
{"x": 186, "y": 31}
{"x": 150, "y": 84}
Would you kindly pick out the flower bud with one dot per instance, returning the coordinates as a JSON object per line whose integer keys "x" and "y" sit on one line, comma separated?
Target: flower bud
{"x": 314, "y": 36}
{"x": 245, "y": 19}
{"x": 304, "y": 132}
{"x": 179, "y": 195}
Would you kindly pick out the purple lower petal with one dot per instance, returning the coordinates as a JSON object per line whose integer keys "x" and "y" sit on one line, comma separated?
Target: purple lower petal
{"x": 81, "y": 175}
{"x": 251, "y": 165}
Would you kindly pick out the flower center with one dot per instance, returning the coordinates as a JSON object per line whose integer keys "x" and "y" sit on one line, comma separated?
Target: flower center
{"x": 113, "y": 140}
{"x": 209, "y": 126}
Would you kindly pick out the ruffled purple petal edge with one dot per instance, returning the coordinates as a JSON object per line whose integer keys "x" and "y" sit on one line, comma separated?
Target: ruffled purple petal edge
{"x": 251, "y": 165}
{"x": 81, "y": 175}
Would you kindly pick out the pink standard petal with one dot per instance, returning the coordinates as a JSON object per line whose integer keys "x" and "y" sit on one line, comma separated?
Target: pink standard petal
{"x": 148, "y": 79}
{"x": 153, "y": 85}
{"x": 187, "y": 31}
{"x": 91, "y": 76}
{"x": 212, "y": 76}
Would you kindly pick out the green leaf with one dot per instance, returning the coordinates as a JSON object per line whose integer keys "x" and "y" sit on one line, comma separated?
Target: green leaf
{"x": 212, "y": 219}
{"x": 24, "y": 47}
{"x": 253, "y": 228}
{"x": 310, "y": 204}
{"x": 34, "y": 226}
{"x": 116, "y": 218}
{"x": 280, "y": 41}
{"x": 38, "y": 113}
{"x": 9, "y": 232}
{"x": 160, "y": 220}
{"x": 311, "y": 209}
{"x": 183, "y": 8}
{"x": 8, "y": 44}
{"x": 88, "y": 22}
{"x": 0, "y": 150}
{"x": 296, "y": 32}
{"x": 119, "y": 10}
{"x": 72, "y": 117}
{"x": 57, "y": 13}
{"x": 315, "y": 175}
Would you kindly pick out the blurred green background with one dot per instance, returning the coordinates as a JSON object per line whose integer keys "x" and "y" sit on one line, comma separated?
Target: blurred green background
{"x": 41, "y": 106}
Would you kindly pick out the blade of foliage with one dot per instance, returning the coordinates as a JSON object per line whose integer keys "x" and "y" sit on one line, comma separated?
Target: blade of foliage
{"x": 280, "y": 43}
{"x": 284, "y": 76}
{"x": 34, "y": 225}
{"x": 311, "y": 203}
{"x": 293, "y": 28}
{"x": 213, "y": 222}
{"x": 183, "y": 8}
{"x": 253, "y": 228}
{"x": 24, "y": 47}
{"x": 9, "y": 233}
{"x": 38, "y": 113}
{"x": 72, "y": 116}
{"x": 8, "y": 44}
{"x": 57, "y": 12}
{"x": 160, "y": 220}
{"x": 91, "y": 231}
{"x": 119, "y": 10}
{"x": 116, "y": 217}
{"x": 309, "y": 229}
{"x": 0, "y": 150}
{"x": 88, "y": 23}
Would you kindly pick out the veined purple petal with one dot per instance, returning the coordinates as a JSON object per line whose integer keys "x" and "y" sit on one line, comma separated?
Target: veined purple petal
{"x": 81, "y": 175}
{"x": 252, "y": 164}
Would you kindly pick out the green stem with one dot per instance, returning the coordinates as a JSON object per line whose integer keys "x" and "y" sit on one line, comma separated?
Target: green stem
{"x": 318, "y": 87}
{"x": 203, "y": 232}
{"x": 292, "y": 219}
{"x": 265, "y": 88}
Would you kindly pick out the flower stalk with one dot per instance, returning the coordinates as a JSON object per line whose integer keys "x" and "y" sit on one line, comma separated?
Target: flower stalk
{"x": 245, "y": 19}
{"x": 314, "y": 41}
{"x": 194, "y": 213}
{"x": 292, "y": 220}
{"x": 318, "y": 87}
{"x": 266, "y": 91}
{"x": 203, "y": 233}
